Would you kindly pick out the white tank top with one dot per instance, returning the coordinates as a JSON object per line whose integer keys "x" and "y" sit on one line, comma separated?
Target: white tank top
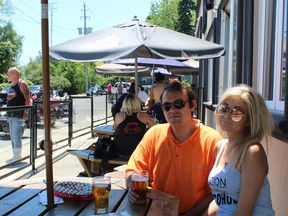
{"x": 225, "y": 186}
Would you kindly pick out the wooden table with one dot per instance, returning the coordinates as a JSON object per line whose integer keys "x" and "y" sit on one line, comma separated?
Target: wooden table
{"x": 21, "y": 198}
{"x": 104, "y": 131}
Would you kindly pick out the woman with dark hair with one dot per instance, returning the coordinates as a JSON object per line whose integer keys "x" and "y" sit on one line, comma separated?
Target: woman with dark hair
{"x": 131, "y": 124}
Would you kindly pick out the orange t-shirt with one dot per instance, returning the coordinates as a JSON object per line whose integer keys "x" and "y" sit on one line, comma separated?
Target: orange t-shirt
{"x": 180, "y": 169}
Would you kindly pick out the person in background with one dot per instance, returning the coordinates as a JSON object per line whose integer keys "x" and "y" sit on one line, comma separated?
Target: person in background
{"x": 142, "y": 96}
{"x": 18, "y": 95}
{"x": 154, "y": 103}
{"x": 131, "y": 124}
{"x": 118, "y": 104}
{"x": 120, "y": 88}
{"x": 238, "y": 179}
{"x": 109, "y": 92}
{"x": 131, "y": 88}
{"x": 178, "y": 155}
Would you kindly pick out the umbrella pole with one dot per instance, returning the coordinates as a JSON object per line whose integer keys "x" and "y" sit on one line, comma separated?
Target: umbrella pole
{"x": 46, "y": 104}
{"x": 136, "y": 76}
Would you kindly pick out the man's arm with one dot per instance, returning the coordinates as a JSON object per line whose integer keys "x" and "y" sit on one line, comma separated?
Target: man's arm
{"x": 24, "y": 88}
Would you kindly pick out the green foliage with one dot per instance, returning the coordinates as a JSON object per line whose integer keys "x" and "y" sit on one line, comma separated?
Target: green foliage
{"x": 184, "y": 21}
{"x": 178, "y": 15}
{"x": 10, "y": 47}
{"x": 164, "y": 14}
{"x": 33, "y": 71}
{"x": 74, "y": 72}
{"x": 6, "y": 10}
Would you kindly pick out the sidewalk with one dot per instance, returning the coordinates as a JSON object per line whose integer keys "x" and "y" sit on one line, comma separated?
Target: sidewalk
{"x": 67, "y": 166}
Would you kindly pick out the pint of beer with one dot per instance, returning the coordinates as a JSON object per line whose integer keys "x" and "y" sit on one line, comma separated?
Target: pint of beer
{"x": 101, "y": 191}
{"x": 140, "y": 183}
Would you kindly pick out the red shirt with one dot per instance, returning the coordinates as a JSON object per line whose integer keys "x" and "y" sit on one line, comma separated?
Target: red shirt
{"x": 109, "y": 88}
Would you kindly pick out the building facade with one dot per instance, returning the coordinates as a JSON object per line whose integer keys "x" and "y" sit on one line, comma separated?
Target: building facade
{"x": 254, "y": 33}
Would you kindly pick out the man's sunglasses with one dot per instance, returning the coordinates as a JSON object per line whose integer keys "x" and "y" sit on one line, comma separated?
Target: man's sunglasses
{"x": 178, "y": 104}
{"x": 235, "y": 114}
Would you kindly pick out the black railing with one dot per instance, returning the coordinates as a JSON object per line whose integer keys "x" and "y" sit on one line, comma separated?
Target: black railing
{"x": 33, "y": 124}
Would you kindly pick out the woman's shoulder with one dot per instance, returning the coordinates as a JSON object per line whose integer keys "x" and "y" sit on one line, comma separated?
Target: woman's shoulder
{"x": 255, "y": 156}
{"x": 255, "y": 149}
{"x": 142, "y": 115}
{"x": 120, "y": 116}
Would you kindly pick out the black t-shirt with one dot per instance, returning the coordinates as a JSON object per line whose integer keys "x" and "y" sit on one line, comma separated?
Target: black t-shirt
{"x": 130, "y": 133}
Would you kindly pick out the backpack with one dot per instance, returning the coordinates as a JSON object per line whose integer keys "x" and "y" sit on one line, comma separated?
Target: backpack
{"x": 105, "y": 150}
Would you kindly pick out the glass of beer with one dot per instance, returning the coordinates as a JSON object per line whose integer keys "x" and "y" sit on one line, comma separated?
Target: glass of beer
{"x": 101, "y": 190}
{"x": 140, "y": 184}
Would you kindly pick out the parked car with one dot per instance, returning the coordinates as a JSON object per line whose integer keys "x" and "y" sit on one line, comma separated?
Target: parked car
{"x": 97, "y": 90}
{"x": 36, "y": 89}
{"x": 126, "y": 86}
{"x": 3, "y": 94}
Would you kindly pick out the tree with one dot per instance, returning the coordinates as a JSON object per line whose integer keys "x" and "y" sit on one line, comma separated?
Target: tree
{"x": 10, "y": 47}
{"x": 164, "y": 14}
{"x": 184, "y": 20}
{"x": 10, "y": 42}
{"x": 6, "y": 10}
{"x": 178, "y": 15}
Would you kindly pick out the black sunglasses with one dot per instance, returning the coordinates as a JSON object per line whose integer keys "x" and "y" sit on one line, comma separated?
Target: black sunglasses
{"x": 179, "y": 104}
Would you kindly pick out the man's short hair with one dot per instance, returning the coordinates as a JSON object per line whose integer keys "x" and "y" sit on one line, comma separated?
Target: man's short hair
{"x": 179, "y": 87}
{"x": 159, "y": 77}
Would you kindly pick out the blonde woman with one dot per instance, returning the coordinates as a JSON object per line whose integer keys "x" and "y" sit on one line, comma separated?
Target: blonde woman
{"x": 238, "y": 179}
{"x": 131, "y": 124}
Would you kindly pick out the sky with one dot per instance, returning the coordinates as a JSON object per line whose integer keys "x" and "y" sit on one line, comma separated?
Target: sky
{"x": 66, "y": 16}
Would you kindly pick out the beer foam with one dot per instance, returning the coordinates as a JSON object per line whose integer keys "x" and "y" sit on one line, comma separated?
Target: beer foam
{"x": 139, "y": 178}
{"x": 101, "y": 185}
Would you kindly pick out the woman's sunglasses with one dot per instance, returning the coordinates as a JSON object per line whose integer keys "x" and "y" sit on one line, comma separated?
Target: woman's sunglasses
{"x": 178, "y": 104}
{"x": 235, "y": 114}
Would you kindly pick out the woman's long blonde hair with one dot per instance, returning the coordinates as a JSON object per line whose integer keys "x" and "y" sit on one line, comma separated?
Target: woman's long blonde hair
{"x": 260, "y": 121}
{"x": 131, "y": 104}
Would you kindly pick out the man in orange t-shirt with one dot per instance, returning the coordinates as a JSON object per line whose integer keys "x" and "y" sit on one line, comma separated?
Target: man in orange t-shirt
{"x": 179, "y": 154}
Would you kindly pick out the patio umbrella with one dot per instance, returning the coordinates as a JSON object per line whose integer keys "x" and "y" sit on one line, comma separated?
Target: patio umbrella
{"x": 132, "y": 40}
{"x": 135, "y": 39}
{"x": 151, "y": 62}
{"x": 121, "y": 70}
{"x": 172, "y": 65}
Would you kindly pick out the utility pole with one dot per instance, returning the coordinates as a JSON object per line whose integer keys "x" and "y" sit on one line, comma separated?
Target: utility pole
{"x": 86, "y": 31}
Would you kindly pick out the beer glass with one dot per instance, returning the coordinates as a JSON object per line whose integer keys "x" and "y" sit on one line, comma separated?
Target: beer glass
{"x": 101, "y": 190}
{"x": 140, "y": 185}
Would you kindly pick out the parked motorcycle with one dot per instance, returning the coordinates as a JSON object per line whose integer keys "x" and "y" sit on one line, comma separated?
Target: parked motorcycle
{"x": 63, "y": 107}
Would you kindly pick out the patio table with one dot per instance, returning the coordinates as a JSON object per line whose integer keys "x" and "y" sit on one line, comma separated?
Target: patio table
{"x": 21, "y": 198}
{"x": 104, "y": 131}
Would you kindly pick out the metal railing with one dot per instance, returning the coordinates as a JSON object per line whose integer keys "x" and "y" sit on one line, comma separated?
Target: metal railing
{"x": 74, "y": 129}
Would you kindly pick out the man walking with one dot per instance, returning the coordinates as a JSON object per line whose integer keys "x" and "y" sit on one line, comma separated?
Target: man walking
{"x": 18, "y": 95}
